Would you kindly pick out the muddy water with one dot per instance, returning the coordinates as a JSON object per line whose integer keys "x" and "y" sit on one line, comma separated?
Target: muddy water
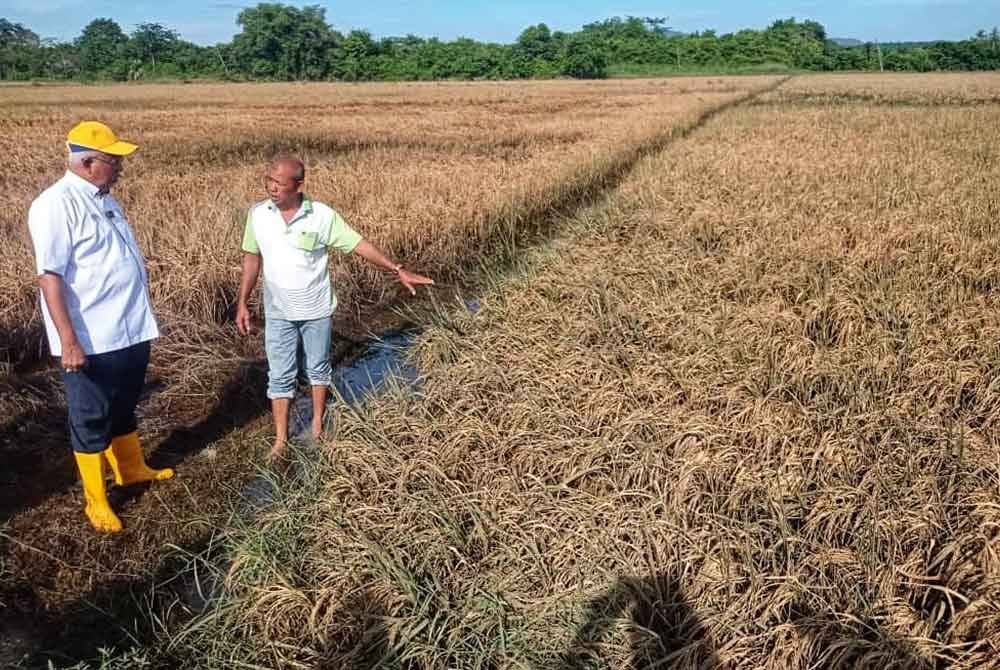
{"x": 384, "y": 358}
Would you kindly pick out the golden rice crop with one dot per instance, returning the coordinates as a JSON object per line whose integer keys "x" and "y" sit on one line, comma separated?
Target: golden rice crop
{"x": 431, "y": 172}
{"x": 741, "y": 415}
{"x": 446, "y": 176}
{"x": 964, "y": 88}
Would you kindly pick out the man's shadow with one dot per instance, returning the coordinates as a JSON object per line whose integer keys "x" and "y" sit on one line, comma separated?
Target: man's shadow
{"x": 663, "y": 630}
{"x": 239, "y": 401}
{"x": 35, "y": 460}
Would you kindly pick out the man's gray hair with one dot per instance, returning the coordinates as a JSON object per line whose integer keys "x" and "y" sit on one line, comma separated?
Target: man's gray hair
{"x": 76, "y": 158}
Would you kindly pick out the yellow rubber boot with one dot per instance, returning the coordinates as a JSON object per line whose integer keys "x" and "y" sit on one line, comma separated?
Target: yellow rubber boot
{"x": 98, "y": 510}
{"x": 128, "y": 463}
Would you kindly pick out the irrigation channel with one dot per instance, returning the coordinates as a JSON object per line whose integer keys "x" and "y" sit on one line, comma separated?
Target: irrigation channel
{"x": 383, "y": 358}
{"x": 377, "y": 363}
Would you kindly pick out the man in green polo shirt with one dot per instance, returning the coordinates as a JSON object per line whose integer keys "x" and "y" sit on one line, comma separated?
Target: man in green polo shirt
{"x": 290, "y": 235}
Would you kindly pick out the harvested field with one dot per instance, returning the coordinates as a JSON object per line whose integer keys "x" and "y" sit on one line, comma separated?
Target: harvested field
{"x": 448, "y": 177}
{"x": 740, "y": 414}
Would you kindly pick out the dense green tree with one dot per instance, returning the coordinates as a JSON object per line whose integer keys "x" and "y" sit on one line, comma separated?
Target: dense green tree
{"x": 536, "y": 42}
{"x": 101, "y": 48}
{"x": 582, "y": 59}
{"x": 278, "y": 41}
{"x": 625, "y": 40}
{"x": 152, "y": 42}
{"x": 283, "y": 42}
{"x": 356, "y": 57}
{"x": 536, "y": 53}
{"x": 19, "y": 48}
{"x": 62, "y": 61}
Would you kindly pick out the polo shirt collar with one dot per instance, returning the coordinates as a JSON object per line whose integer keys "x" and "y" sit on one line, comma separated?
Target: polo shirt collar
{"x": 83, "y": 185}
{"x": 304, "y": 210}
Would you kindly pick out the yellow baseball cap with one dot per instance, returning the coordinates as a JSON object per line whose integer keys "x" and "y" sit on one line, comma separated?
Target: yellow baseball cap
{"x": 97, "y": 136}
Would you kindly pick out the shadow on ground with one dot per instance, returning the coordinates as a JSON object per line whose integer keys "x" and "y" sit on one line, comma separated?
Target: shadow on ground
{"x": 35, "y": 460}
{"x": 663, "y": 630}
{"x": 855, "y": 643}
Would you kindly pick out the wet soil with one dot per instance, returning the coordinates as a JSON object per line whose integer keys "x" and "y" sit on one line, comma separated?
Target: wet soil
{"x": 65, "y": 591}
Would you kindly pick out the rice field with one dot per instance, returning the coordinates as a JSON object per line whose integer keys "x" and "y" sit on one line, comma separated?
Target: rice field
{"x": 445, "y": 176}
{"x": 432, "y": 172}
{"x": 898, "y": 88}
{"x": 736, "y": 410}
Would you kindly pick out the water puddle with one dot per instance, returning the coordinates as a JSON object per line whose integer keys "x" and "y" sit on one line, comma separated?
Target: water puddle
{"x": 384, "y": 358}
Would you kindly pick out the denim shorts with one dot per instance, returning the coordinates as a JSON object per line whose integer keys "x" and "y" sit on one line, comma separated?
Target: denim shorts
{"x": 281, "y": 341}
{"x": 101, "y": 398}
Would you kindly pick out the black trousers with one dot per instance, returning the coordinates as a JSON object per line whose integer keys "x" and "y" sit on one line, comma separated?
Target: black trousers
{"x": 101, "y": 398}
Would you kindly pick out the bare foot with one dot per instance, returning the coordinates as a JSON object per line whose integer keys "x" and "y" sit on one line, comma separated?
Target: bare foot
{"x": 317, "y": 426}
{"x": 278, "y": 454}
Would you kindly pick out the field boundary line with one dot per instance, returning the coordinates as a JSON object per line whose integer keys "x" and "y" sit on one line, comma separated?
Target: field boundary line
{"x": 803, "y": 99}
{"x": 523, "y": 226}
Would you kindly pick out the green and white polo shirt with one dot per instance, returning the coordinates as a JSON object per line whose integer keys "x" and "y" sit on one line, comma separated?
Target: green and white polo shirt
{"x": 295, "y": 257}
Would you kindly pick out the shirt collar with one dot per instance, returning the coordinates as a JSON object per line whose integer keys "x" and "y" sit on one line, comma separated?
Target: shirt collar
{"x": 84, "y": 185}
{"x": 304, "y": 210}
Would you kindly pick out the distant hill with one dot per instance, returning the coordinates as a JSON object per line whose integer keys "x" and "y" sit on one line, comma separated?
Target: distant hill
{"x": 890, "y": 46}
{"x": 907, "y": 45}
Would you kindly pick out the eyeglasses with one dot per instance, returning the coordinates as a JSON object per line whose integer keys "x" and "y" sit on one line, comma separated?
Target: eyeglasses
{"x": 115, "y": 162}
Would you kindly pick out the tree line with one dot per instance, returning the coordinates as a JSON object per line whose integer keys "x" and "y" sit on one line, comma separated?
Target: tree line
{"x": 286, "y": 43}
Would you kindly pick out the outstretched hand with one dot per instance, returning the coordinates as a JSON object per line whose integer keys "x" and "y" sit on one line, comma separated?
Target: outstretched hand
{"x": 411, "y": 280}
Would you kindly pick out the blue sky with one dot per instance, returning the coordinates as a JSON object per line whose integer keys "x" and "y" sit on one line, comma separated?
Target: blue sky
{"x": 210, "y": 21}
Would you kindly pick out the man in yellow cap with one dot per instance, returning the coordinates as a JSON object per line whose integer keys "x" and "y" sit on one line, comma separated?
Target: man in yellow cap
{"x": 97, "y": 312}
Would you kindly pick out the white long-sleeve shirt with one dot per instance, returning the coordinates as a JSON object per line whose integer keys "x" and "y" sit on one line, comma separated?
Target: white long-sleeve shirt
{"x": 83, "y": 236}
